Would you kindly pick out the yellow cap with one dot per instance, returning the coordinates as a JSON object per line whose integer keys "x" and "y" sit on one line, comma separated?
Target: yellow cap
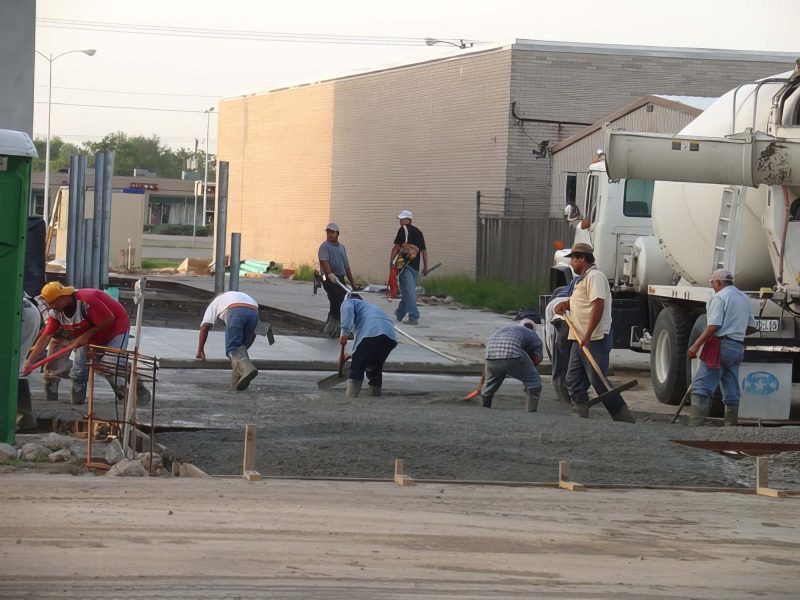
{"x": 54, "y": 290}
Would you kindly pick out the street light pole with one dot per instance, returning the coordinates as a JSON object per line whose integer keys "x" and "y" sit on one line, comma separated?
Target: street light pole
{"x": 461, "y": 43}
{"x": 51, "y": 59}
{"x": 205, "y": 177}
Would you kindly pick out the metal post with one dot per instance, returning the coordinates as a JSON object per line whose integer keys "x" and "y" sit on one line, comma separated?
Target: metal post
{"x": 80, "y": 201}
{"x": 478, "y": 236}
{"x": 105, "y": 230}
{"x": 236, "y": 248}
{"x": 506, "y": 198}
{"x": 46, "y": 207}
{"x": 88, "y": 234}
{"x": 205, "y": 176}
{"x": 72, "y": 219}
{"x": 221, "y": 221}
{"x": 99, "y": 174}
{"x": 194, "y": 214}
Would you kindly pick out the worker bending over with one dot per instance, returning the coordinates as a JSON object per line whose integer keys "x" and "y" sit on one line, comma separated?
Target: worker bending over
{"x": 374, "y": 340}
{"x": 239, "y": 312}
{"x": 87, "y": 316}
{"x": 513, "y": 350}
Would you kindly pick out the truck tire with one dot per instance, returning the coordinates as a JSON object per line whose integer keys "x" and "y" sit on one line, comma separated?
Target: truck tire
{"x": 668, "y": 362}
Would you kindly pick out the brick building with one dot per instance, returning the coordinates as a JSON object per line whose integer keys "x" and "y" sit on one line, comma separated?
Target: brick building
{"x": 429, "y": 136}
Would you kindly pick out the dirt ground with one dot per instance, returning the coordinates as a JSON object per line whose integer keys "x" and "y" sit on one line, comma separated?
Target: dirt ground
{"x": 82, "y": 537}
{"x": 307, "y": 432}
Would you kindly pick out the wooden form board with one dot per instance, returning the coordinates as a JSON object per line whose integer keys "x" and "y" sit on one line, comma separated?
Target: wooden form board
{"x": 249, "y": 461}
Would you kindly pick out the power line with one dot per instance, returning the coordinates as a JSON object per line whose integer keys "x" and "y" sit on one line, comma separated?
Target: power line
{"x": 57, "y": 87}
{"x": 201, "y": 112}
{"x": 229, "y": 34}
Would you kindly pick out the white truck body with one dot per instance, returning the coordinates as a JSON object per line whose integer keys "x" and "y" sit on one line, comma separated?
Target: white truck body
{"x": 724, "y": 192}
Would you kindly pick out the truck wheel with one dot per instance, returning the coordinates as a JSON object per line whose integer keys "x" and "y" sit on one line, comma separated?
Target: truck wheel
{"x": 668, "y": 363}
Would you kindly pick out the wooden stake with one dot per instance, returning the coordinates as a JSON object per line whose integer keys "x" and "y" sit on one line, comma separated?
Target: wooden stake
{"x": 400, "y": 478}
{"x": 762, "y": 480}
{"x": 563, "y": 478}
{"x": 249, "y": 463}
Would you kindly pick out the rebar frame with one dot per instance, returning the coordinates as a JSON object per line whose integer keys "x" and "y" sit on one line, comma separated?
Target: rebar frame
{"x": 120, "y": 364}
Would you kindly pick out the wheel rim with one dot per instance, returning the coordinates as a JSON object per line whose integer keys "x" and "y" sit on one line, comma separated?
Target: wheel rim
{"x": 663, "y": 352}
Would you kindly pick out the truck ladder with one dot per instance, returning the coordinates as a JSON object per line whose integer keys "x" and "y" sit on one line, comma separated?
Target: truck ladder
{"x": 729, "y": 228}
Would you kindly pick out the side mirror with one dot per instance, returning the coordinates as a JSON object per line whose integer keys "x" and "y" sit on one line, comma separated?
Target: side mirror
{"x": 572, "y": 213}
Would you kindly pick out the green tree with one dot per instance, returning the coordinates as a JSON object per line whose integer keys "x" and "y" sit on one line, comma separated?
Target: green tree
{"x": 130, "y": 152}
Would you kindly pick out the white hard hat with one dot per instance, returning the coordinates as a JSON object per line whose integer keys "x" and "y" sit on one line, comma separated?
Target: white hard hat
{"x": 405, "y": 214}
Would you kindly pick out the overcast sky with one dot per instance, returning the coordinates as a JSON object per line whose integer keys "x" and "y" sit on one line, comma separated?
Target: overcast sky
{"x": 180, "y": 72}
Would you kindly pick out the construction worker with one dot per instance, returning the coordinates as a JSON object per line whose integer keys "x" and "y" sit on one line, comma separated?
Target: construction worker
{"x": 239, "y": 312}
{"x": 31, "y": 324}
{"x": 409, "y": 244}
{"x": 333, "y": 267}
{"x": 88, "y": 316}
{"x": 589, "y": 309}
{"x": 729, "y": 315}
{"x": 513, "y": 350}
{"x": 374, "y": 340}
{"x": 560, "y": 342}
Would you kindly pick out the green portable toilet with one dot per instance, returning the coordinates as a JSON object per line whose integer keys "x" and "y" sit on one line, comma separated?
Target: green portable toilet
{"x": 16, "y": 155}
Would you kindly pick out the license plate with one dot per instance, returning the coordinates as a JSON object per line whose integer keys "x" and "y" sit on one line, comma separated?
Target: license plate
{"x": 769, "y": 325}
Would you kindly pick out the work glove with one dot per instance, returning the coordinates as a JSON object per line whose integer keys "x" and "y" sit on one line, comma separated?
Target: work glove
{"x": 331, "y": 278}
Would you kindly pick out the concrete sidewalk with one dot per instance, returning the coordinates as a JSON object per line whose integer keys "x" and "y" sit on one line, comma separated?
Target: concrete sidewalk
{"x": 457, "y": 331}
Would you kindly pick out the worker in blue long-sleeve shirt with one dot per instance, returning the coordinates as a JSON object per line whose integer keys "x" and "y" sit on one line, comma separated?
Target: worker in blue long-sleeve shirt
{"x": 374, "y": 336}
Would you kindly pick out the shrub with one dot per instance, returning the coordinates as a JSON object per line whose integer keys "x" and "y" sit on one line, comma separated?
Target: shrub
{"x": 304, "y": 273}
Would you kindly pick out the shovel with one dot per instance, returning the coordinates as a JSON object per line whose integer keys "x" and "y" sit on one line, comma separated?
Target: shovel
{"x": 477, "y": 390}
{"x": 50, "y": 358}
{"x": 611, "y": 398}
{"x": 339, "y": 377}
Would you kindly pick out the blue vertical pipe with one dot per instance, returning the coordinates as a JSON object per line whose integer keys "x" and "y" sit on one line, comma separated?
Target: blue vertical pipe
{"x": 106, "y": 227}
{"x": 80, "y": 241}
{"x": 72, "y": 218}
{"x": 99, "y": 174}
{"x": 222, "y": 225}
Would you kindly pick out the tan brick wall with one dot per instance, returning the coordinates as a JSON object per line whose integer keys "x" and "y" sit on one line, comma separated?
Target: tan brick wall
{"x": 279, "y": 146}
{"x": 424, "y": 138}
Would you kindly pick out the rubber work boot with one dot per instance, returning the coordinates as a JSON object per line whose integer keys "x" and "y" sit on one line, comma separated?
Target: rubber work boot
{"x": 51, "y": 389}
{"x": 624, "y": 415}
{"x": 78, "y": 392}
{"x": 580, "y": 407}
{"x": 117, "y": 384}
{"x": 242, "y": 367}
{"x": 731, "y": 415}
{"x": 486, "y": 401}
{"x": 353, "y": 388}
{"x": 374, "y": 390}
{"x": 698, "y": 411}
{"x": 561, "y": 390}
{"x": 143, "y": 395}
{"x": 532, "y": 400}
{"x": 26, "y": 420}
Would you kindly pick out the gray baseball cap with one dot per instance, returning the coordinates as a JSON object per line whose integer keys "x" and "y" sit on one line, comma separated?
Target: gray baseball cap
{"x": 721, "y": 275}
{"x": 332, "y": 227}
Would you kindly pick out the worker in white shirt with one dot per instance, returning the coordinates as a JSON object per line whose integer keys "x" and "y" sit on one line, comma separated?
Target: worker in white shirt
{"x": 239, "y": 312}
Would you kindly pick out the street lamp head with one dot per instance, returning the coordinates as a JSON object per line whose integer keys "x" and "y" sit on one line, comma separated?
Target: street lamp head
{"x": 430, "y": 41}
{"x": 461, "y": 43}
{"x": 90, "y": 52}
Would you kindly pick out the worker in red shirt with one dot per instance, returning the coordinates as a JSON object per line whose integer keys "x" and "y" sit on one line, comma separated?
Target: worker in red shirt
{"x": 87, "y": 316}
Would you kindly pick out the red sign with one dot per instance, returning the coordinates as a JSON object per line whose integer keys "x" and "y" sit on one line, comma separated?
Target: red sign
{"x": 153, "y": 187}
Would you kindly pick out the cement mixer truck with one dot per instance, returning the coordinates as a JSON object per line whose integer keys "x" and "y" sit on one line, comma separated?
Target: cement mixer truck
{"x": 664, "y": 211}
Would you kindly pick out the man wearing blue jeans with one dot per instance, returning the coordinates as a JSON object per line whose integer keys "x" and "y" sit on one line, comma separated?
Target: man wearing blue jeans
{"x": 374, "y": 340}
{"x": 239, "y": 312}
{"x": 730, "y": 319}
{"x": 409, "y": 245}
{"x": 513, "y": 350}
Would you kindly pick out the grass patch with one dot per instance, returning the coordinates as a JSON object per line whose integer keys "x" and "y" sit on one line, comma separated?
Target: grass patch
{"x": 499, "y": 296}
{"x": 161, "y": 263}
{"x": 304, "y": 273}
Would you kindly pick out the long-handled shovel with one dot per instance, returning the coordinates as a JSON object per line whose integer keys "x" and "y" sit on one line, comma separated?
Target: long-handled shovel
{"x": 338, "y": 377}
{"x": 477, "y": 390}
{"x": 682, "y": 404}
{"x": 611, "y": 398}
{"x": 52, "y": 357}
